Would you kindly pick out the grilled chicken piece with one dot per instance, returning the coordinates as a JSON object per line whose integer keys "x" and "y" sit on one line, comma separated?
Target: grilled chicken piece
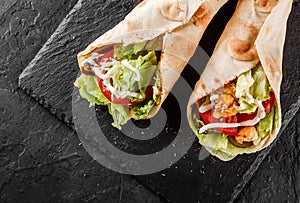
{"x": 247, "y": 134}
{"x": 225, "y": 103}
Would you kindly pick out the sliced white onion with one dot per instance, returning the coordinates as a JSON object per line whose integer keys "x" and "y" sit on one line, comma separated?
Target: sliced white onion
{"x": 204, "y": 108}
{"x": 213, "y": 97}
{"x": 97, "y": 71}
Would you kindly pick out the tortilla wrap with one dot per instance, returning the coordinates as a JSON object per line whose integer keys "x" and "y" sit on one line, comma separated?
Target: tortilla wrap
{"x": 255, "y": 33}
{"x": 180, "y": 22}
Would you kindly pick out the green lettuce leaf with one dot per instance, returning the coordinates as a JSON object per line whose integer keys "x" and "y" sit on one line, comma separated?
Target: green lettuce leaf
{"x": 266, "y": 125}
{"x": 143, "y": 110}
{"x": 128, "y": 52}
{"x": 244, "y": 82}
{"x": 213, "y": 140}
{"x": 88, "y": 89}
{"x": 147, "y": 67}
{"x": 261, "y": 88}
{"x": 119, "y": 114}
{"x": 245, "y": 107}
{"x": 255, "y": 83}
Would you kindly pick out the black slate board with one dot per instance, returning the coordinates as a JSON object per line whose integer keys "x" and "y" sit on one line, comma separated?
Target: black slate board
{"x": 49, "y": 78}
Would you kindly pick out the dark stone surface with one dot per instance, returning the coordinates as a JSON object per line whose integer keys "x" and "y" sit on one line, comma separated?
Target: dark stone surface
{"x": 5, "y": 5}
{"x": 42, "y": 159}
{"x": 24, "y": 28}
{"x": 278, "y": 177}
{"x": 189, "y": 179}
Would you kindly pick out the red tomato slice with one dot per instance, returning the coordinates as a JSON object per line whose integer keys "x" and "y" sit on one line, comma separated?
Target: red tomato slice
{"x": 107, "y": 55}
{"x": 241, "y": 117}
{"x": 229, "y": 131}
{"x": 268, "y": 105}
{"x": 107, "y": 93}
{"x": 122, "y": 101}
{"x": 208, "y": 118}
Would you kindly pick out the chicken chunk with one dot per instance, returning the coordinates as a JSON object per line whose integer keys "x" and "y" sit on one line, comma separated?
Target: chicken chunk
{"x": 247, "y": 134}
{"x": 224, "y": 106}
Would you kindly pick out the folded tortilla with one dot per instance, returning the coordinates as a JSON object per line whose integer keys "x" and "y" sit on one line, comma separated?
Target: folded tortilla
{"x": 255, "y": 33}
{"x": 180, "y": 22}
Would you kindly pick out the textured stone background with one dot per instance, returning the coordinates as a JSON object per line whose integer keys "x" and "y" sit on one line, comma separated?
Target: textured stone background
{"x": 42, "y": 160}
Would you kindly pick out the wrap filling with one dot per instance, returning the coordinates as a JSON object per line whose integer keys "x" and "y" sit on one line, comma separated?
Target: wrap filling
{"x": 242, "y": 112}
{"x": 125, "y": 78}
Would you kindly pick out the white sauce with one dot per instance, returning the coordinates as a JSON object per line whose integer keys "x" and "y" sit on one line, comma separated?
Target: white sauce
{"x": 126, "y": 64}
{"x": 260, "y": 114}
{"x": 115, "y": 89}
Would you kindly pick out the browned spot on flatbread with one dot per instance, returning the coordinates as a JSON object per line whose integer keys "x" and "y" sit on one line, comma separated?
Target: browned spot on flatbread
{"x": 264, "y": 6}
{"x": 252, "y": 29}
{"x": 203, "y": 86}
{"x": 216, "y": 80}
{"x": 242, "y": 50}
{"x": 272, "y": 68}
{"x": 172, "y": 10}
{"x": 202, "y": 15}
{"x": 248, "y": 29}
{"x": 268, "y": 29}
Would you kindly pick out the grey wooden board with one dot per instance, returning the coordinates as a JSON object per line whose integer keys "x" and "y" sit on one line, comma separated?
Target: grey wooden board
{"x": 49, "y": 78}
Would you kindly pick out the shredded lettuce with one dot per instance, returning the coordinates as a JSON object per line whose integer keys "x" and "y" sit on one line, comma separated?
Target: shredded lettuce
{"x": 89, "y": 90}
{"x": 131, "y": 51}
{"x": 252, "y": 85}
{"x": 145, "y": 63}
{"x": 243, "y": 84}
{"x": 147, "y": 67}
{"x": 246, "y": 107}
{"x": 213, "y": 140}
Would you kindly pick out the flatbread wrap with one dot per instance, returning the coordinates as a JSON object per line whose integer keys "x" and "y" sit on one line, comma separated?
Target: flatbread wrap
{"x": 132, "y": 67}
{"x": 235, "y": 107}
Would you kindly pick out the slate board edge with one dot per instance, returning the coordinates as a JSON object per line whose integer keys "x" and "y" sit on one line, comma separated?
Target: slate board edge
{"x": 61, "y": 27}
{"x": 288, "y": 117}
{"x": 61, "y": 116}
